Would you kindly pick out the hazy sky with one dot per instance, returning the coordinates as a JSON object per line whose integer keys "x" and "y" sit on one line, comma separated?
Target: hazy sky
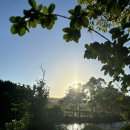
{"x": 63, "y": 62}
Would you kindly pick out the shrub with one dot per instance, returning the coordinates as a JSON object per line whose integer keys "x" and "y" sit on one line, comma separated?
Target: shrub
{"x": 127, "y": 127}
{"x": 91, "y": 127}
{"x": 18, "y": 124}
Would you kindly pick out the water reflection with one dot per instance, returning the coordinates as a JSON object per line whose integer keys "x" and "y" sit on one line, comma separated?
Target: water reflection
{"x": 111, "y": 126}
{"x": 75, "y": 126}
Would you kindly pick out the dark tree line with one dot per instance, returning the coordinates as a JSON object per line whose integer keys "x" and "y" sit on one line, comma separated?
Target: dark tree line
{"x": 23, "y": 108}
{"x": 14, "y": 101}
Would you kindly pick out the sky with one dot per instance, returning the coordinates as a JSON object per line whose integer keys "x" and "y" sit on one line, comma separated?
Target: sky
{"x": 63, "y": 62}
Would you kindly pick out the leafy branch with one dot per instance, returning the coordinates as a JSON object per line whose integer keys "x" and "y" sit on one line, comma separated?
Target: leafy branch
{"x": 44, "y": 15}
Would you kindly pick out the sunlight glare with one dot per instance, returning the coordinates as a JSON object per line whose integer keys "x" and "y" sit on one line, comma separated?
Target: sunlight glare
{"x": 75, "y": 126}
{"x": 75, "y": 86}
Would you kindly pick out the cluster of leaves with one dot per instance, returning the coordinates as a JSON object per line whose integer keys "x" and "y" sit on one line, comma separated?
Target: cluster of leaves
{"x": 38, "y": 14}
{"x": 108, "y": 13}
{"x": 115, "y": 56}
{"x": 78, "y": 19}
{"x": 17, "y": 124}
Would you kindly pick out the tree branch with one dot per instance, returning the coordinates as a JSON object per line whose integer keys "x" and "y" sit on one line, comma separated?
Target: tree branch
{"x": 62, "y": 16}
{"x": 99, "y": 34}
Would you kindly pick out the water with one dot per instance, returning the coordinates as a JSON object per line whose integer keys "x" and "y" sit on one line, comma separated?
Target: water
{"x": 110, "y": 126}
{"x": 75, "y": 126}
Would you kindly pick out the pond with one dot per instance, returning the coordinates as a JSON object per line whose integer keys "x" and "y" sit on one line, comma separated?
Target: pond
{"x": 110, "y": 126}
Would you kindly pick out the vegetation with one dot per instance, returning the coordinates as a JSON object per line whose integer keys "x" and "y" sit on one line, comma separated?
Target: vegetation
{"x": 95, "y": 102}
{"x": 126, "y": 127}
{"x": 73, "y": 101}
{"x": 24, "y": 108}
{"x": 15, "y": 101}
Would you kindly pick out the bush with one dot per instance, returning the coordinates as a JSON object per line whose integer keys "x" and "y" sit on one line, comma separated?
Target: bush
{"x": 18, "y": 124}
{"x": 91, "y": 127}
{"x": 127, "y": 127}
{"x": 15, "y": 125}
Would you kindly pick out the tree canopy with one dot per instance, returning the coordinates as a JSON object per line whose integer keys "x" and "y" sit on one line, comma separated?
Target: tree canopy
{"x": 95, "y": 102}
{"x": 24, "y": 108}
{"x": 93, "y": 15}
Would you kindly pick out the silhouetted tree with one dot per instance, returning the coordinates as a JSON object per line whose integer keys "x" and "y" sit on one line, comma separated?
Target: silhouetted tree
{"x": 15, "y": 101}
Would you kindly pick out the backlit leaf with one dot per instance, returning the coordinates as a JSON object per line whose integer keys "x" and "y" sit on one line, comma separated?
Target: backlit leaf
{"x": 32, "y": 3}
{"x": 12, "y": 19}
{"x": 45, "y": 10}
{"x": 22, "y": 31}
{"x": 51, "y": 8}
{"x": 13, "y": 30}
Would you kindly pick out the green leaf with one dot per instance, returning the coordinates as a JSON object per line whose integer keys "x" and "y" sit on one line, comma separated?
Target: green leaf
{"x": 32, "y": 24}
{"x": 43, "y": 25}
{"x": 92, "y": 14}
{"x": 65, "y": 36}
{"x": 12, "y": 19}
{"x": 123, "y": 39}
{"x": 85, "y": 21}
{"x": 42, "y": 22}
{"x": 72, "y": 23}
{"x": 51, "y": 8}
{"x": 13, "y": 30}
{"x": 27, "y": 13}
{"x": 50, "y": 24}
{"x": 39, "y": 7}
{"x": 66, "y": 30}
{"x": 71, "y": 11}
{"x": 77, "y": 10}
{"x": 76, "y": 35}
{"x": 105, "y": 72}
{"x": 32, "y": 3}
{"x": 22, "y": 31}
{"x": 45, "y": 10}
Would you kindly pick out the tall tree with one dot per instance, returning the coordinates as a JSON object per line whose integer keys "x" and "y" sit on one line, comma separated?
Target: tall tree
{"x": 105, "y": 102}
{"x": 73, "y": 101}
{"x": 92, "y": 88}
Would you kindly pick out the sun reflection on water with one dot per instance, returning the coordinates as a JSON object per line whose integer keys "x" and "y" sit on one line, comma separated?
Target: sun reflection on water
{"x": 75, "y": 126}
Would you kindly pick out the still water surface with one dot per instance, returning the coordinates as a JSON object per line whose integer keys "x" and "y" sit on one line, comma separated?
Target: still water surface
{"x": 111, "y": 126}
